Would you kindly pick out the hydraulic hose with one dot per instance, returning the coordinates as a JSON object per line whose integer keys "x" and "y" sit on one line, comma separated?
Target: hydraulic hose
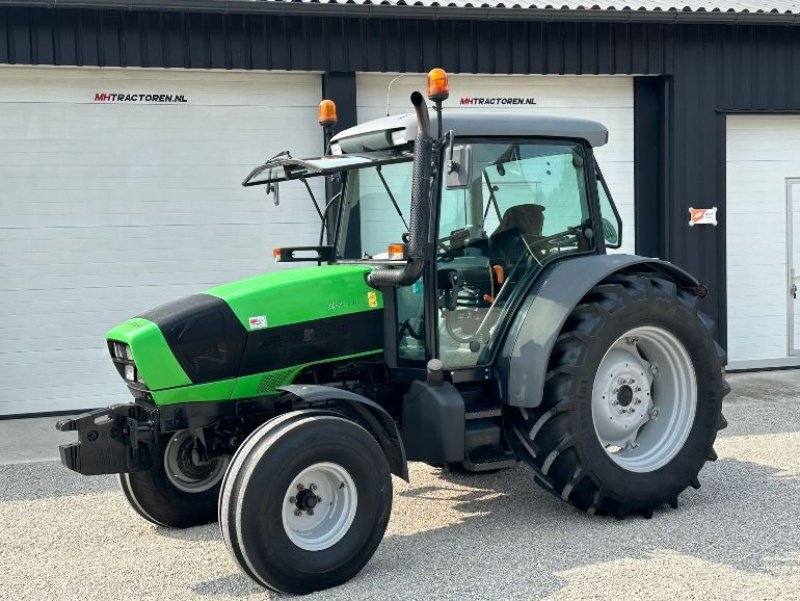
{"x": 420, "y": 206}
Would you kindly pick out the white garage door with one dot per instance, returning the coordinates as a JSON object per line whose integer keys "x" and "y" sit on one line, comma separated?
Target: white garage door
{"x": 119, "y": 190}
{"x": 763, "y": 200}
{"x": 608, "y": 100}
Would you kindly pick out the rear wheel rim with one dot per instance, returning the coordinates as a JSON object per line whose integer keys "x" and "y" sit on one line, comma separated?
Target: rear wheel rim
{"x": 183, "y": 472}
{"x": 644, "y": 399}
{"x": 319, "y": 506}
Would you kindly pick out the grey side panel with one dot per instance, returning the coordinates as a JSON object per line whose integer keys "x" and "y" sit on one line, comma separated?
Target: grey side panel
{"x": 523, "y": 359}
{"x": 371, "y": 415}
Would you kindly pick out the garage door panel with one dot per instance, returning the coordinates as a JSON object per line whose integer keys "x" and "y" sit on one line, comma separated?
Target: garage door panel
{"x": 761, "y": 154}
{"x": 108, "y": 209}
{"x": 87, "y": 282}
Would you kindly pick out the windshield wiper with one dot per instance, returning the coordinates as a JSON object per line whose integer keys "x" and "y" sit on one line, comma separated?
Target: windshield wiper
{"x": 391, "y": 196}
{"x": 492, "y": 200}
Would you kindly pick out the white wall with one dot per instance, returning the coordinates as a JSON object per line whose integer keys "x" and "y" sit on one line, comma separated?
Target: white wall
{"x": 108, "y": 209}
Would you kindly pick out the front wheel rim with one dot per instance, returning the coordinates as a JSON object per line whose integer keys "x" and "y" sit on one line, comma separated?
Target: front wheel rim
{"x": 644, "y": 399}
{"x": 319, "y": 506}
{"x": 183, "y": 472}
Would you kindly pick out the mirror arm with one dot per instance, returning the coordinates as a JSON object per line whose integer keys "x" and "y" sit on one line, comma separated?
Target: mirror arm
{"x": 391, "y": 196}
{"x": 313, "y": 198}
{"x": 333, "y": 199}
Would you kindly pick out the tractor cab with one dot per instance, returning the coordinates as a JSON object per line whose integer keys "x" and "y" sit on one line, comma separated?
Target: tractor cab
{"x": 505, "y": 195}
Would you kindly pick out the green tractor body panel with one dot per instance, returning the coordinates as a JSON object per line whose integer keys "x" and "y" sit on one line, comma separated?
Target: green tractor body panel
{"x": 274, "y": 325}
{"x": 151, "y": 353}
{"x": 297, "y": 295}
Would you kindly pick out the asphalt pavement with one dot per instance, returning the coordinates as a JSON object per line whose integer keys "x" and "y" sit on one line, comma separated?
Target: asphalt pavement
{"x": 495, "y": 536}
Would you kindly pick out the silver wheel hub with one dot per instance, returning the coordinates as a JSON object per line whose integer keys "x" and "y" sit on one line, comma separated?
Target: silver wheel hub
{"x": 644, "y": 399}
{"x": 623, "y": 383}
{"x": 320, "y": 506}
{"x": 184, "y": 468}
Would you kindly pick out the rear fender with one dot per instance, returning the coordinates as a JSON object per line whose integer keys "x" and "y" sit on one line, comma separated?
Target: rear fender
{"x": 365, "y": 411}
{"x": 523, "y": 359}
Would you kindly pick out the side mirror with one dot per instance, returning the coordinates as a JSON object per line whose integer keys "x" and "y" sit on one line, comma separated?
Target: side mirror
{"x": 272, "y": 189}
{"x": 610, "y": 234}
{"x": 458, "y": 167}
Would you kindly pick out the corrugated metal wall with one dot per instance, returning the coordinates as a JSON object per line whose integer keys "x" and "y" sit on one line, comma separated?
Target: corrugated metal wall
{"x": 709, "y": 69}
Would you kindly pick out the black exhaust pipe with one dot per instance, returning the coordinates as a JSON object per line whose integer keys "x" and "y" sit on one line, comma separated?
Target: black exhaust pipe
{"x": 419, "y": 221}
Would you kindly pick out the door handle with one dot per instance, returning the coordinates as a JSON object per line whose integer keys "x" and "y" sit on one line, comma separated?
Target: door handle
{"x": 794, "y": 290}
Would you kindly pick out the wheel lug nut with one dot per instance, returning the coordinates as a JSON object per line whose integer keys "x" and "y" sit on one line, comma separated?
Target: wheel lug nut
{"x": 319, "y": 499}
{"x": 292, "y": 500}
{"x": 313, "y": 486}
{"x": 299, "y": 487}
{"x": 297, "y": 512}
{"x": 310, "y": 512}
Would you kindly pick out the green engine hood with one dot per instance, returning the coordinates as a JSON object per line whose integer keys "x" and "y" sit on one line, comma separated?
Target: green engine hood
{"x": 245, "y": 338}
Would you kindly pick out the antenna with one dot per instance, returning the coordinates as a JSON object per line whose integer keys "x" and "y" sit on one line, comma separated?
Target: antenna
{"x": 389, "y": 91}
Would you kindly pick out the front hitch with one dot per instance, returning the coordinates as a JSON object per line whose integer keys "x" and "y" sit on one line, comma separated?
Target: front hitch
{"x": 113, "y": 440}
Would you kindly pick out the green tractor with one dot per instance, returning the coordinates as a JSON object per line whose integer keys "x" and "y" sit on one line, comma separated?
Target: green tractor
{"x": 461, "y": 311}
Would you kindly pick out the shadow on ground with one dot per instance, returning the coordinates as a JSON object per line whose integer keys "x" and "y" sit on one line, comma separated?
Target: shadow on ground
{"x": 513, "y": 540}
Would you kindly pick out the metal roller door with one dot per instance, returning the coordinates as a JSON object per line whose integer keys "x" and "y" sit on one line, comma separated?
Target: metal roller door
{"x": 763, "y": 240}
{"x": 119, "y": 190}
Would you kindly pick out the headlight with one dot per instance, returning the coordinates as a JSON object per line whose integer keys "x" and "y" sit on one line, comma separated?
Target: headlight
{"x": 122, "y": 356}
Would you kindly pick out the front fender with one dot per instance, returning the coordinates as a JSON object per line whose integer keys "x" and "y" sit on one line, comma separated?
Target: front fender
{"x": 369, "y": 414}
{"x": 525, "y": 354}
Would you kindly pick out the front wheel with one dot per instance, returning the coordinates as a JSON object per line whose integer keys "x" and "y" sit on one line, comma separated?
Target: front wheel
{"x": 305, "y": 502}
{"x": 632, "y": 401}
{"x": 180, "y": 490}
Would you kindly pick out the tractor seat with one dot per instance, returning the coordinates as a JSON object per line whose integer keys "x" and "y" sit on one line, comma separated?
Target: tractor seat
{"x": 521, "y": 220}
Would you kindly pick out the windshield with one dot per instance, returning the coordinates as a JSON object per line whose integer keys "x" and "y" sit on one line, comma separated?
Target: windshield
{"x": 377, "y": 203}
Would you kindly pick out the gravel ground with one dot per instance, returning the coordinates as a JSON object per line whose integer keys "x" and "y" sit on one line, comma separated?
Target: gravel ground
{"x": 494, "y": 536}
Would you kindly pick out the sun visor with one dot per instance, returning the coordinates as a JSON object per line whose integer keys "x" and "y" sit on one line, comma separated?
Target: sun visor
{"x": 285, "y": 168}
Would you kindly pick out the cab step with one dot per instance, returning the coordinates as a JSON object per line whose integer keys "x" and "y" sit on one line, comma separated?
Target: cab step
{"x": 489, "y": 458}
{"x": 479, "y": 412}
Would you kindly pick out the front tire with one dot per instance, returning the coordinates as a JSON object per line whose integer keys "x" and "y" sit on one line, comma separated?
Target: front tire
{"x": 632, "y": 400}
{"x": 305, "y": 502}
{"x": 176, "y": 492}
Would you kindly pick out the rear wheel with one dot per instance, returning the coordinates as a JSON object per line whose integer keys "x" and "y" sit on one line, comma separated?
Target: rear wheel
{"x": 180, "y": 490}
{"x": 632, "y": 400}
{"x": 305, "y": 502}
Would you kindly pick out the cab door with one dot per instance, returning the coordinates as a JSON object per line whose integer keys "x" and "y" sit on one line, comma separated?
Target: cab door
{"x": 527, "y": 203}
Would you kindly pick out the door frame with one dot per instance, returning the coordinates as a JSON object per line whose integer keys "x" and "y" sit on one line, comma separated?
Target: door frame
{"x": 790, "y": 268}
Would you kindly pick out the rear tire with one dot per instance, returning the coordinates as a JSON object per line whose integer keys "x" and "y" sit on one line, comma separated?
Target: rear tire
{"x": 175, "y": 493}
{"x": 595, "y": 464}
{"x": 273, "y": 482}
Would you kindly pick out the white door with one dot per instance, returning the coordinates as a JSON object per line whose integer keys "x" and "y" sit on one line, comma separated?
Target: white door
{"x": 608, "y": 100}
{"x": 793, "y": 243}
{"x": 761, "y": 156}
{"x": 120, "y": 190}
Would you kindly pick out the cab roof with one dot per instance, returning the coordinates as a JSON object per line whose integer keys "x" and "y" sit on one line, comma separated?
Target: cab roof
{"x": 471, "y": 123}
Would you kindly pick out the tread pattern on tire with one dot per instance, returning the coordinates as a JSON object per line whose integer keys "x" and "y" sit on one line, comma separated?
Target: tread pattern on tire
{"x": 543, "y": 433}
{"x": 229, "y": 486}
{"x": 237, "y": 484}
